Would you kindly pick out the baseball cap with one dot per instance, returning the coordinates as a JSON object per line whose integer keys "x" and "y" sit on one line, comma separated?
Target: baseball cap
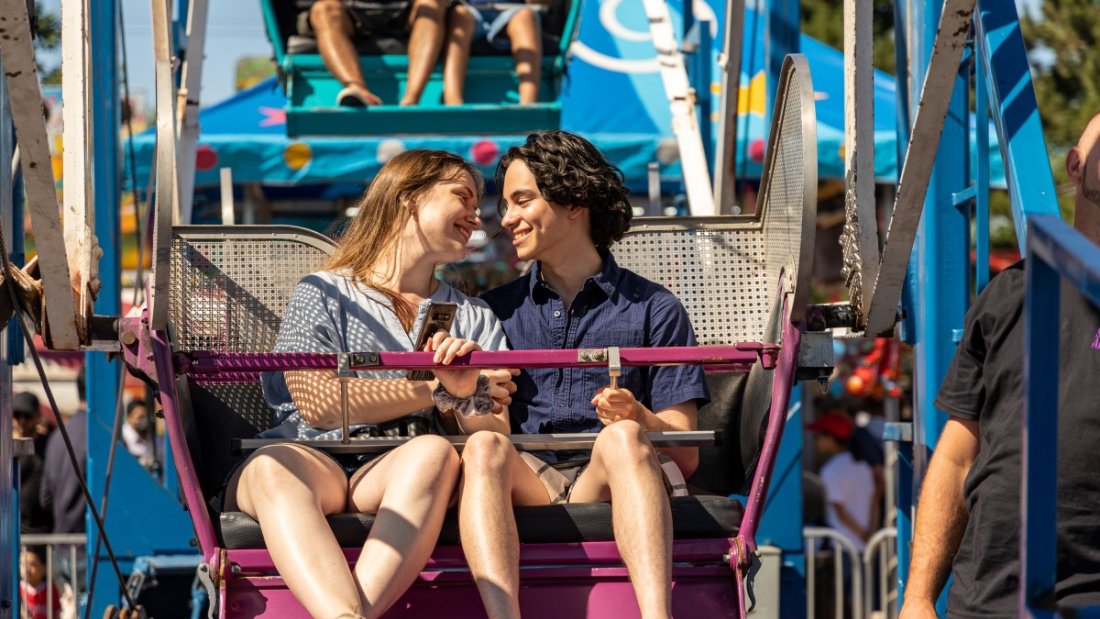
{"x": 838, "y": 425}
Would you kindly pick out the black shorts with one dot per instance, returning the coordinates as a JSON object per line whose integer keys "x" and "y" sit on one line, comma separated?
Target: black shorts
{"x": 349, "y": 463}
{"x": 378, "y": 18}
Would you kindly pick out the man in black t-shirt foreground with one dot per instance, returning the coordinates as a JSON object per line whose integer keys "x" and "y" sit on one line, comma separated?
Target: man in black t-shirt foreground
{"x": 969, "y": 516}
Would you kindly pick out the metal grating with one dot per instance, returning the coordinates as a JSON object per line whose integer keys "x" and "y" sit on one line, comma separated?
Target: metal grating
{"x": 725, "y": 270}
{"x": 229, "y": 292}
{"x": 717, "y": 272}
{"x": 783, "y": 197}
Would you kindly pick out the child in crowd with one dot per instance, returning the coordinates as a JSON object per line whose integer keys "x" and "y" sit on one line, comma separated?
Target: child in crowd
{"x": 35, "y": 596}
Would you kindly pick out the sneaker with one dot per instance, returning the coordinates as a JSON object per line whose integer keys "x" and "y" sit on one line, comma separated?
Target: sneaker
{"x": 349, "y": 97}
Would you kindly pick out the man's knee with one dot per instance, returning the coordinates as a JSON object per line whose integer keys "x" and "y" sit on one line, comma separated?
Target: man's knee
{"x": 324, "y": 12}
{"x": 624, "y": 442}
{"x": 461, "y": 17}
{"x": 525, "y": 18}
{"x": 486, "y": 452}
{"x": 427, "y": 9}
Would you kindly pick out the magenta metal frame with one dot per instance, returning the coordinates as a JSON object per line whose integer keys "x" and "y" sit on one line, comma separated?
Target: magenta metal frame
{"x": 590, "y": 574}
{"x": 737, "y": 356}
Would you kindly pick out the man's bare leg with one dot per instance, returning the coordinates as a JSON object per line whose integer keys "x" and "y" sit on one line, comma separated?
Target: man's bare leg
{"x": 334, "y": 31}
{"x": 456, "y": 54}
{"x": 425, "y": 41}
{"x": 625, "y": 470}
{"x": 289, "y": 489}
{"x": 408, "y": 491}
{"x": 494, "y": 477}
{"x": 524, "y": 33}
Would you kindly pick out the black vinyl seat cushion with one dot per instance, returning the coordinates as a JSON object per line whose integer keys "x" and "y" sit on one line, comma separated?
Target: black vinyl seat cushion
{"x": 693, "y": 517}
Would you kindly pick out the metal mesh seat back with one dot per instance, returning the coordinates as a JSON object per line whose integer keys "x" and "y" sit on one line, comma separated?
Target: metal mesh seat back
{"x": 230, "y": 287}
{"x": 229, "y": 290}
{"x": 728, "y": 271}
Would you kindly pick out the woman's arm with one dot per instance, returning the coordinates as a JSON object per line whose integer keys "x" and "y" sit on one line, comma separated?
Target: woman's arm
{"x": 316, "y": 393}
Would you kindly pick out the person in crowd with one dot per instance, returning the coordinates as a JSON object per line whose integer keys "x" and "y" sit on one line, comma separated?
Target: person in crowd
{"x": 849, "y": 483}
{"x": 38, "y": 597}
{"x": 60, "y": 491}
{"x": 515, "y": 28}
{"x": 373, "y": 294}
{"x": 565, "y": 205}
{"x": 33, "y": 517}
{"x": 137, "y": 434}
{"x": 968, "y": 520}
{"x": 336, "y": 22}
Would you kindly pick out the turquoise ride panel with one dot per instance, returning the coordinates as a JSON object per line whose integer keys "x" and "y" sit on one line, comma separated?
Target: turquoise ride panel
{"x": 491, "y": 85}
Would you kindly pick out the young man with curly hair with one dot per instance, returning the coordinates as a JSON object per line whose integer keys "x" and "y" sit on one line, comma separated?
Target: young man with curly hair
{"x": 565, "y": 205}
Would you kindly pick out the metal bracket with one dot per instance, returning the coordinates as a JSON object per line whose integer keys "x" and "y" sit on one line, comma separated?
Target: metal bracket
{"x": 343, "y": 371}
{"x": 206, "y": 579}
{"x": 614, "y": 366}
{"x": 591, "y": 355}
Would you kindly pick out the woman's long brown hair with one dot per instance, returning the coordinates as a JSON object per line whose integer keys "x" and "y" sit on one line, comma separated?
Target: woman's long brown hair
{"x": 383, "y": 212}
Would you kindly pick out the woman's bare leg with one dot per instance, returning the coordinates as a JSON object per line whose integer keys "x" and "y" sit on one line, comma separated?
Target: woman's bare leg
{"x": 524, "y": 33}
{"x": 289, "y": 489}
{"x": 409, "y": 491}
{"x": 456, "y": 54}
{"x": 425, "y": 42}
{"x": 334, "y": 32}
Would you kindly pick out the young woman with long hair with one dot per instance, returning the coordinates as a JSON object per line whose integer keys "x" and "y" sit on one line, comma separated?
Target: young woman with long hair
{"x": 373, "y": 294}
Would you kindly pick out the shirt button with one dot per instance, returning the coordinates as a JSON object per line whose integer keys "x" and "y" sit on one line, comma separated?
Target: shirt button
{"x": 557, "y": 313}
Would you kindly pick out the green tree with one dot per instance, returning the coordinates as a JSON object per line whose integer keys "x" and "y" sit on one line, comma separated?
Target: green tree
{"x": 47, "y": 37}
{"x": 1064, "y": 40}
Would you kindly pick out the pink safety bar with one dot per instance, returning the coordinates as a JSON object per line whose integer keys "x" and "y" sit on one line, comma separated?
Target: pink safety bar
{"x": 733, "y": 357}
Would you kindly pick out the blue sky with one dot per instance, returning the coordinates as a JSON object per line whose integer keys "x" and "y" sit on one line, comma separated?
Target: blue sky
{"x": 235, "y": 30}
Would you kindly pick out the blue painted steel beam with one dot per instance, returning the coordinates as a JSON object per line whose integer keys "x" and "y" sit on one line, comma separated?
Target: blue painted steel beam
{"x": 1015, "y": 113}
{"x": 937, "y": 283}
{"x": 102, "y": 376}
{"x": 981, "y": 174}
{"x": 135, "y": 495}
{"x": 781, "y": 522}
{"x": 781, "y": 37}
{"x": 1053, "y": 249}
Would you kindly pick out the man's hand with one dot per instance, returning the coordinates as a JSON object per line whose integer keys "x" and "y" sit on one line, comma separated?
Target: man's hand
{"x": 618, "y": 405}
{"x": 461, "y": 383}
{"x": 501, "y": 387}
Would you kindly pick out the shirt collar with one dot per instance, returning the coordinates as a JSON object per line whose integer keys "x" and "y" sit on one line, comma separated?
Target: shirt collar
{"x": 606, "y": 279}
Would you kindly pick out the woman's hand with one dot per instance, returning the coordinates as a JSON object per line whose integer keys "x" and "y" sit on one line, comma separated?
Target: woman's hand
{"x": 618, "y": 405}
{"x": 501, "y": 387}
{"x": 461, "y": 383}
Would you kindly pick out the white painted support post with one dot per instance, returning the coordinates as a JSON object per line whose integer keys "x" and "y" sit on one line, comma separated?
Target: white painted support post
{"x": 187, "y": 106}
{"x": 167, "y": 190}
{"x": 685, "y": 126}
{"x": 725, "y": 159}
{"x": 26, "y": 108}
{"x": 924, "y": 141}
{"x": 860, "y": 236}
{"x": 76, "y": 108}
{"x": 226, "y": 176}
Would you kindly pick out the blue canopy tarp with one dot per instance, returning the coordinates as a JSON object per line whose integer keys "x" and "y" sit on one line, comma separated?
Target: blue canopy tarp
{"x": 613, "y": 95}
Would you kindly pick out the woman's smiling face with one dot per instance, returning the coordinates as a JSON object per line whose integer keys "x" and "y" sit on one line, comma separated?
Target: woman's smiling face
{"x": 445, "y": 217}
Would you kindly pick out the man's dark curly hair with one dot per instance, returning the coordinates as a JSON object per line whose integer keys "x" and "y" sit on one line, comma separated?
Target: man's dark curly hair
{"x": 570, "y": 171}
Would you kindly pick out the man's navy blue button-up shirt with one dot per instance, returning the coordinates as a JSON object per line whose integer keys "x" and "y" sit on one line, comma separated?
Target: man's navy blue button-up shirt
{"x": 615, "y": 307}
